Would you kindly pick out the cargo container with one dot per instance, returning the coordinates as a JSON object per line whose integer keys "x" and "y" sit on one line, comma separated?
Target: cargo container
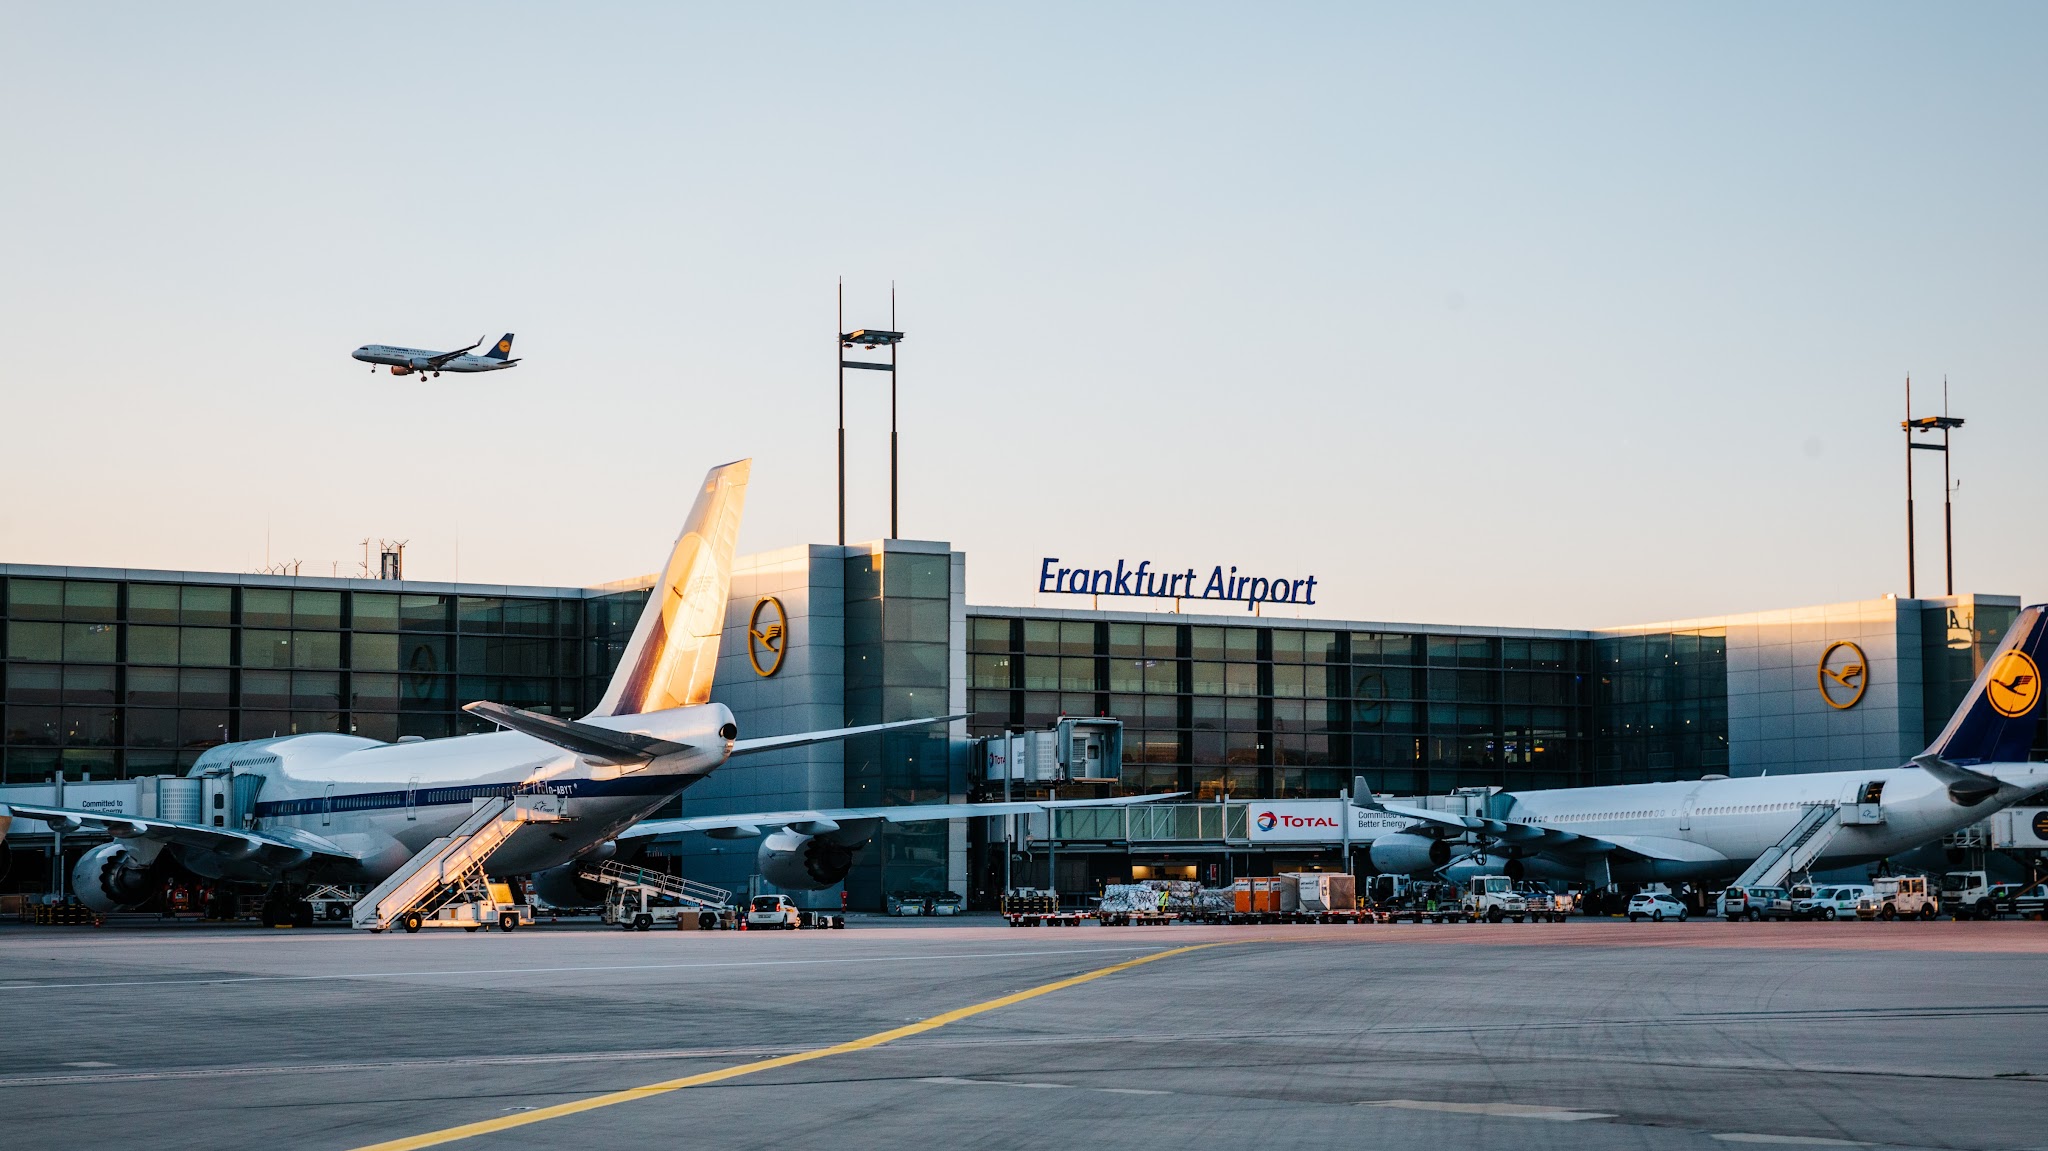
{"x": 1321, "y": 891}
{"x": 1265, "y": 895}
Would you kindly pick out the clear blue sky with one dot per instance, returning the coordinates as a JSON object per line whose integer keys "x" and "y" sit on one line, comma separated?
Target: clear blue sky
{"x": 1560, "y": 315}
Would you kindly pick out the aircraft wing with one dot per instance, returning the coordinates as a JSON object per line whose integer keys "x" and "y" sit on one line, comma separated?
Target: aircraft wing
{"x": 803, "y": 738}
{"x": 627, "y": 748}
{"x": 439, "y": 358}
{"x": 283, "y": 847}
{"x": 1548, "y": 839}
{"x": 826, "y": 820}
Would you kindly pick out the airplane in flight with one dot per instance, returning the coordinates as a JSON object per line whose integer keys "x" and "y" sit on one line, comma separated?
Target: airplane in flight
{"x": 406, "y": 361}
{"x": 1717, "y": 828}
{"x": 332, "y": 808}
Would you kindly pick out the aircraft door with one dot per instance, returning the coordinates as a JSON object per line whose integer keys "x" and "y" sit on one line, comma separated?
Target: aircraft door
{"x": 214, "y": 791}
{"x": 1685, "y": 810}
{"x": 327, "y": 806}
{"x": 412, "y": 798}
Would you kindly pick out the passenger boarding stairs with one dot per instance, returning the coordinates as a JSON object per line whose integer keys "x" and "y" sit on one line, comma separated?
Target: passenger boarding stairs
{"x": 452, "y": 866}
{"x": 656, "y": 884}
{"x": 1797, "y": 851}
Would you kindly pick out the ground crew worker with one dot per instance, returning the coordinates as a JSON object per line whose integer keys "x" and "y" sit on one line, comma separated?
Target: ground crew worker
{"x": 1162, "y": 901}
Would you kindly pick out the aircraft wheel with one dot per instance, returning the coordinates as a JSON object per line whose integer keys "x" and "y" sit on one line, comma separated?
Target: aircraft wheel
{"x": 412, "y": 922}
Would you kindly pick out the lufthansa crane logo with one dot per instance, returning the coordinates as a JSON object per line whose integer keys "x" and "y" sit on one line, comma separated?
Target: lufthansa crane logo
{"x": 770, "y": 637}
{"x": 2015, "y": 685}
{"x": 504, "y": 345}
{"x": 1843, "y": 674}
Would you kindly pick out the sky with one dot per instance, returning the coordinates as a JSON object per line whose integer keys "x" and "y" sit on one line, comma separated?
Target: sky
{"x": 1561, "y": 315}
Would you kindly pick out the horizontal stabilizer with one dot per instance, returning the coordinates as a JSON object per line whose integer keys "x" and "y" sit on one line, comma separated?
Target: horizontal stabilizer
{"x": 804, "y": 738}
{"x": 1964, "y": 786}
{"x": 599, "y": 744}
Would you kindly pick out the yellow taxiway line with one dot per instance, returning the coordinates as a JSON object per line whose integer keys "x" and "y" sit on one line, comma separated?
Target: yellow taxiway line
{"x": 560, "y": 1110}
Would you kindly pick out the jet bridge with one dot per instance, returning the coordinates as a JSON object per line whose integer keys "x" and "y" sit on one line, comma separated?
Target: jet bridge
{"x": 445, "y": 885}
{"x": 1797, "y": 851}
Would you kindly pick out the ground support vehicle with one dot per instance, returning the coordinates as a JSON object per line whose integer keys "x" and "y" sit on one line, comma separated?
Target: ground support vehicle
{"x": 332, "y": 904}
{"x": 1756, "y": 903}
{"x": 637, "y": 898}
{"x": 1493, "y": 898}
{"x": 1427, "y": 902}
{"x": 1137, "y": 918}
{"x": 1837, "y": 901}
{"x": 1972, "y": 895}
{"x": 1049, "y": 918}
{"x": 478, "y": 904}
{"x": 1900, "y": 897}
{"x": 1027, "y": 907}
{"x": 2031, "y": 902}
{"x": 1545, "y": 905}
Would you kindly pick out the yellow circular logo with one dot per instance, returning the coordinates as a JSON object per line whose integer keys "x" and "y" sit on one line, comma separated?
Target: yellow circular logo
{"x": 2015, "y": 684}
{"x": 1843, "y": 674}
{"x": 504, "y": 345}
{"x": 771, "y": 637}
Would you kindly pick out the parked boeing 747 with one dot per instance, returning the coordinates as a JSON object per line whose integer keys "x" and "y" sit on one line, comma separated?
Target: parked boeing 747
{"x": 330, "y": 808}
{"x": 1761, "y": 828}
{"x": 406, "y": 361}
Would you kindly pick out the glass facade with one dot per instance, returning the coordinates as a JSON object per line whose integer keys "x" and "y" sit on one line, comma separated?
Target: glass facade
{"x": 1662, "y": 703}
{"x": 1278, "y": 712}
{"x": 898, "y": 644}
{"x": 1955, "y": 640}
{"x": 117, "y": 678}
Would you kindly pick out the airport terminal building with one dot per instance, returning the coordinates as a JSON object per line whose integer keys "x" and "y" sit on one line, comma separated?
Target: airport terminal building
{"x": 115, "y": 674}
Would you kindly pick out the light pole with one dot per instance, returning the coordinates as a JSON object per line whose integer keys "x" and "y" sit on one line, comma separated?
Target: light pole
{"x": 869, "y": 338}
{"x": 1944, "y": 424}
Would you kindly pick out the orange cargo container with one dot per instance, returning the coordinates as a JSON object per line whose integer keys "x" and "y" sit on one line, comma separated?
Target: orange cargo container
{"x": 1261, "y": 896}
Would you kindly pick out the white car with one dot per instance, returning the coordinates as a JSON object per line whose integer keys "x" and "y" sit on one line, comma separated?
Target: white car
{"x": 773, "y": 911}
{"x": 1654, "y": 906}
{"x": 1832, "y": 902}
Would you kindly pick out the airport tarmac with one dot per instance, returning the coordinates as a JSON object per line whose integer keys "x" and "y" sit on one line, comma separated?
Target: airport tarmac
{"x": 1586, "y": 1035}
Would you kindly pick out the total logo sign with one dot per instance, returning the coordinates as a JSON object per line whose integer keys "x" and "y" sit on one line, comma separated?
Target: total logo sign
{"x": 1304, "y": 820}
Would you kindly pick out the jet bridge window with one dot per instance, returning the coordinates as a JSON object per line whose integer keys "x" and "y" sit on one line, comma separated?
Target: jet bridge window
{"x": 1873, "y": 792}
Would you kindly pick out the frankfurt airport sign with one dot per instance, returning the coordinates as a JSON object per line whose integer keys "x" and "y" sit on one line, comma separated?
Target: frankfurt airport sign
{"x": 1142, "y": 580}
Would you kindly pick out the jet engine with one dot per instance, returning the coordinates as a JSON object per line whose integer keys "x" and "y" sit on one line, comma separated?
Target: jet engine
{"x": 793, "y": 861}
{"x": 112, "y": 877}
{"x": 400, "y": 370}
{"x": 1482, "y": 864}
{"x": 1405, "y": 854}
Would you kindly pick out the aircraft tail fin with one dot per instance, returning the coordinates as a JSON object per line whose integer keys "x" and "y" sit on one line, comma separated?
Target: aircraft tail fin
{"x": 1995, "y": 723}
{"x": 674, "y": 648}
{"x": 501, "y": 349}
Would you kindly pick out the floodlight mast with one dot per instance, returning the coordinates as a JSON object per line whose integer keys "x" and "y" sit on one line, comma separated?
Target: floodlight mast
{"x": 1943, "y": 423}
{"x": 869, "y": 338}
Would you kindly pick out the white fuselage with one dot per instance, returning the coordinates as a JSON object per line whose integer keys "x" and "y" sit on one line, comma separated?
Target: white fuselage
{"x": 1729, "y": 823}
{"x": 421, "y": 360}
{"x": 382, "y": 802}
